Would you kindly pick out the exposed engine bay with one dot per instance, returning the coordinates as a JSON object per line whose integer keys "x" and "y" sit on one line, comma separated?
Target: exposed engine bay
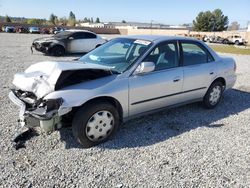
{"x": 39, "y": 80}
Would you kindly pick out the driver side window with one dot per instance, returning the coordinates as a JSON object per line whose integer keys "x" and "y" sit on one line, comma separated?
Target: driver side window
{"x": 165, "y": 56}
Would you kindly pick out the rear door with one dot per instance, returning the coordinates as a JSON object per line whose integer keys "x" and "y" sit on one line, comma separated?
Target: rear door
{"x": 199, "y": 69}
{"x": 80, "y": 42}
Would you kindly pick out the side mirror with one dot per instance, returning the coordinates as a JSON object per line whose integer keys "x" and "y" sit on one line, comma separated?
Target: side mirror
{"x": 145, "y": 67}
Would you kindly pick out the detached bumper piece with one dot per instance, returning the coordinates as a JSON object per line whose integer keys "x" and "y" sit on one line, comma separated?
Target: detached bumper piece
{"x": 43, "y": 114}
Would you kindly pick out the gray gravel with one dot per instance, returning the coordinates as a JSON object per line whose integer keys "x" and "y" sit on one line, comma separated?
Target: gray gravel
{"x": 182, "y": 147}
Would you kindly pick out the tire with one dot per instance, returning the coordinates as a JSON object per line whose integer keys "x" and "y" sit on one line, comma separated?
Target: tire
{"x": 95, "y": 123}
{"x": 237, "y": 42}
{"x": 225, "y": 41}
{"x": 57, "y": 51}
{"x": 213, "y": 95}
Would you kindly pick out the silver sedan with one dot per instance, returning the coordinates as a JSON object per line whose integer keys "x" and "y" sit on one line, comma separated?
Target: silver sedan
{"x": 124, "y": 78}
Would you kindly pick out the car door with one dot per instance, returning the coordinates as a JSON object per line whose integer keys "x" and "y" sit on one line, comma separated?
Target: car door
{"x": 81, "y": 42}
{"x": 161, "y": 87}
{"x": 199, "y": 69}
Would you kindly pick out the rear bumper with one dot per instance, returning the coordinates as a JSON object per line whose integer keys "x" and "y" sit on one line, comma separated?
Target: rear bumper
{"x": 230, "y": 81}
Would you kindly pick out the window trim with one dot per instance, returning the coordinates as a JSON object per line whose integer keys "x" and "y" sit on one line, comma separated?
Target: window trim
{"x": 199, "y": 45}
{"x": 84, "y": 34}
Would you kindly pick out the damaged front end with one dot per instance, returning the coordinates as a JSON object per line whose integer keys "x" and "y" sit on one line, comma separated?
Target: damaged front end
{"x": 41, "y": 47}
{"x": 37, "y": 112}
{"x": 34, "y": 86}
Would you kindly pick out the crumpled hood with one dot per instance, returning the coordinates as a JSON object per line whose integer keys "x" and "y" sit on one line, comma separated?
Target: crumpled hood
{"x": 46, "y": 39}
{"x": 41, "y": 78}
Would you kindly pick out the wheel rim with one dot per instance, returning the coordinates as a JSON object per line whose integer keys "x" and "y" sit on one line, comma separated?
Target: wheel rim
{"x": 99, "y": 126}
{"x": 215, "y": 95}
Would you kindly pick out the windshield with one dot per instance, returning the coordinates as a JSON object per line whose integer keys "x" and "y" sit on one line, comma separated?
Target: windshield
{"x": 118, "y": 54}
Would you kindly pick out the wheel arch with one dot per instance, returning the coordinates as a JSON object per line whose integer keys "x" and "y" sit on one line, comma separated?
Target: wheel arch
{"x": 109, "y": 99}
{"x": 52, "y": 45}
{"x": 220, "y": 79}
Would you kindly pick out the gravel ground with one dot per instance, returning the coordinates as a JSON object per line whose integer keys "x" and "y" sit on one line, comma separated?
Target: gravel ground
{"x": 182, "y": 147}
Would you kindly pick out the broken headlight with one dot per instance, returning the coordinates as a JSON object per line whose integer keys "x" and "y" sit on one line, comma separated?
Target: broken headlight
{"x": 51, "y": 104}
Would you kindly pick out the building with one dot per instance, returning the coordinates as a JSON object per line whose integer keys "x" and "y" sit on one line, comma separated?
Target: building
{"x": 92, "y": 25}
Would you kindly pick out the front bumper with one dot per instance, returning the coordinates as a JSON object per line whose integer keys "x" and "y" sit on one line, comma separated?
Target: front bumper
{"x": 40, "y": 47}
{"x": 47, "y": 121}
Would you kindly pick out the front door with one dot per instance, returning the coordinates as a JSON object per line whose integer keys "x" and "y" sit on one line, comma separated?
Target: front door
{"x": 161, "y": 87}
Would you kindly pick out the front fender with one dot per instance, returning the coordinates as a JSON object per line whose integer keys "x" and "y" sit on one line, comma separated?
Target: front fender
{"x": 79, "y": 94}
{"x": 55, "y": 43}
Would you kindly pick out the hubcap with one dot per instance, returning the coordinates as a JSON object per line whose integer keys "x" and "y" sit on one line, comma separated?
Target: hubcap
{"x": 99, "y": 126}
{"x": 215, "y": 95}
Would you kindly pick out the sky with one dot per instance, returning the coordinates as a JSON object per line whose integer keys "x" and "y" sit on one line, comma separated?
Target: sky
{"x": 172, "y": 12}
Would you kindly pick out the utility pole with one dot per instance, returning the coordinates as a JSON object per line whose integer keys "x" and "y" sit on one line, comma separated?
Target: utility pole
{"x": 151, "y": 26}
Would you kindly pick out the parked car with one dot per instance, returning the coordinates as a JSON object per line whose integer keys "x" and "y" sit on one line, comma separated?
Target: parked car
{"x": 57, "y": 30}
{"x": 236, "y": 39}
{"x": 21, "y": 29}
{"x": 217, "y": 39}
{"x": 9, "y": 29}
{"x": 69, "y": 41}
{"x": 45, "y": 31}
{"x": 122, "y": 79}
{"x": 34, "y": 30}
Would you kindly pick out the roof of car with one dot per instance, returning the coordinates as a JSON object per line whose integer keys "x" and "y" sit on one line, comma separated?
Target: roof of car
{"x": 78, "y": 30}
{"x": 157, "y": 37}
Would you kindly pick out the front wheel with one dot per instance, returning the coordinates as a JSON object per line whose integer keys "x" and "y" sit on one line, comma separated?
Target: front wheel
{"x": 213, "y": 95}
{"x": 95, "y": 123}
{"x": 57, "y": 51}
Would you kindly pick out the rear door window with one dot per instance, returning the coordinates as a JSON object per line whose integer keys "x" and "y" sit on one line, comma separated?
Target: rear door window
{"x": 193, "y": 54}
{"x": 90, "y": 35}
{"x": 79, "y": 35}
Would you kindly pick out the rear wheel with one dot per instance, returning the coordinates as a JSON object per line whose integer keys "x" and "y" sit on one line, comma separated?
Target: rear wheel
{"x": 95, "y": 123}
{"x": 213, "y": 95}
{"x": 237, "y": 42}
{"x": 57, "y": 51}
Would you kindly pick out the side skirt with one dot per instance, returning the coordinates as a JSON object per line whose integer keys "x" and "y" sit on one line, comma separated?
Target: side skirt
{"x": 161, "y": 109}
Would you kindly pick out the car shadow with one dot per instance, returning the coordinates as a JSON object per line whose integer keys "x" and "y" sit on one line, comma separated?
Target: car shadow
{"x": 158, "y": 127}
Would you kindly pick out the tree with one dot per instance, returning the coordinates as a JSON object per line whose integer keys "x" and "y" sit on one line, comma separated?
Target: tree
{"x": 86, "y": 19}
{"x": 97, "y": 20}
{"x": 34, "y": 21}
{"x": 221, "y": 21}
{"x": 123, "y": 21}
{"x": 211, "y": 21}
{"x": 91, "y": 20}
{"x": 63, "y": 21}
{"x": 72, "y": 15}
{"x": 7, "y": 19}
{"x": 72, "y": 19}
{"x": 53, "y": 19}
{"x": 234, "y": 26}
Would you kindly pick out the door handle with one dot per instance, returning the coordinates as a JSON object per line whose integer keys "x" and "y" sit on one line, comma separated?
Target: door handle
{"x": 176, "y": 79}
